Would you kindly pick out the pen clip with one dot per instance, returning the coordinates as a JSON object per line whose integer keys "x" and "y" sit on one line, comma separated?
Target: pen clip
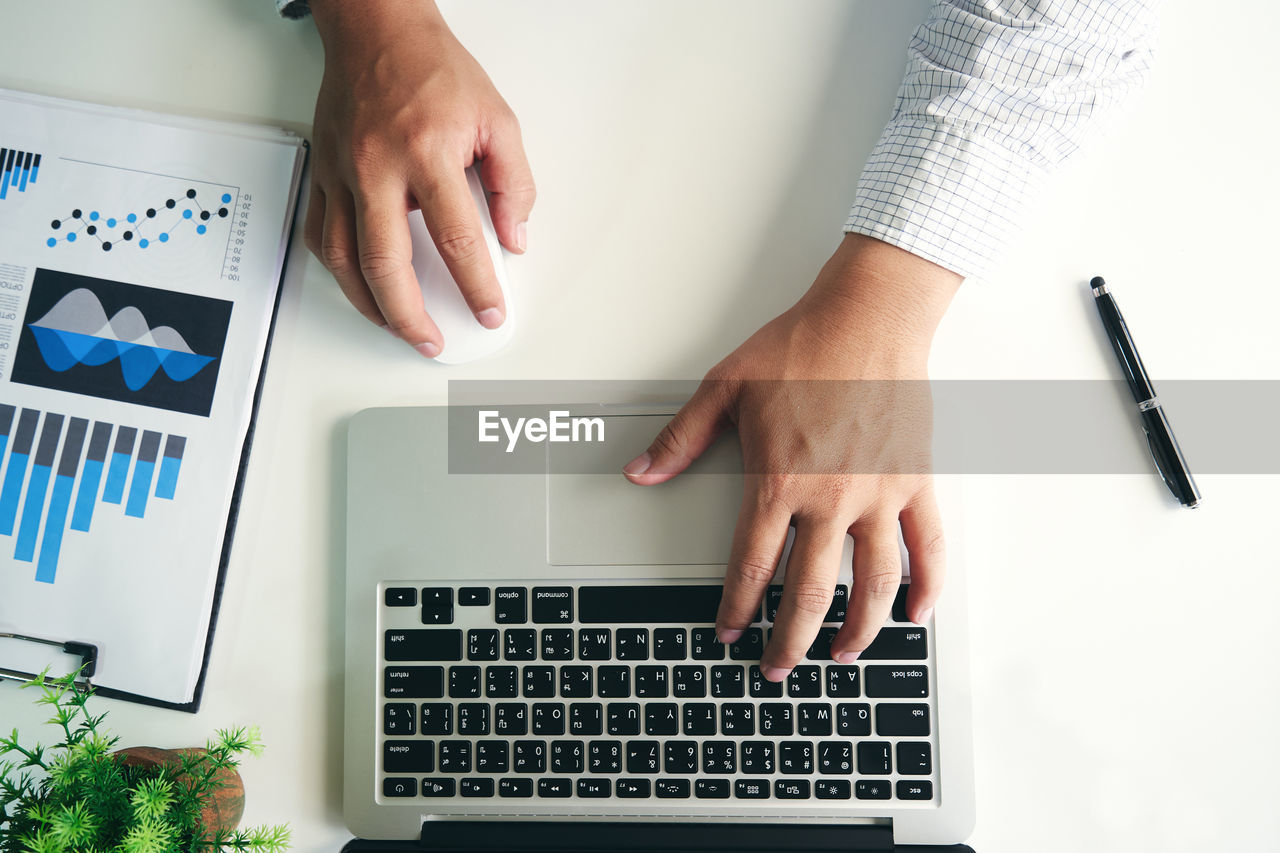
{"x": 1155, "y": 457}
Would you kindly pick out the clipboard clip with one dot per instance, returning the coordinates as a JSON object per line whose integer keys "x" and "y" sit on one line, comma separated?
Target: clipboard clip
{"x": 87, "y": 652}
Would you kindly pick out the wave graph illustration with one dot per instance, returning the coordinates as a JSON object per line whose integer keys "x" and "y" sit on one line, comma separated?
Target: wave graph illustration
{"x": 77, "y": 331}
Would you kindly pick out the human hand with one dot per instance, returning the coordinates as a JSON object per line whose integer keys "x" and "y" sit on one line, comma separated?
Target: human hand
{"x": 403, "y": 110}
{"x": 827, "y": 451}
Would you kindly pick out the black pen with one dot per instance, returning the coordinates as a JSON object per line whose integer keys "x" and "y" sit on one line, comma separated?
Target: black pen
{"x": 1164, "y": 447}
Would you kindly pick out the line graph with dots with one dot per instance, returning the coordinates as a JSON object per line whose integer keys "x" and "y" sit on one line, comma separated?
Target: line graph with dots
{"x": 143, "y": 229}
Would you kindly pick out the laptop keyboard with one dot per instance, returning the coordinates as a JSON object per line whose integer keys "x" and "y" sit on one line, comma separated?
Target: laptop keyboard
{"x": 598, "y": 691}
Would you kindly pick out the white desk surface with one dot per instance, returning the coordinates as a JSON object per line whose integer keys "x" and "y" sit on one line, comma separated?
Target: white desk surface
{"x": 694, "y": 164}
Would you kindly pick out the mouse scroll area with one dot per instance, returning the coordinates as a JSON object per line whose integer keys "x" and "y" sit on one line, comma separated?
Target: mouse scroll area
{"x": 465, "y": 340}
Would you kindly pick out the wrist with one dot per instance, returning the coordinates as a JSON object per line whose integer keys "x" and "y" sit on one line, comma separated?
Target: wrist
{"x": 344, "y": 23}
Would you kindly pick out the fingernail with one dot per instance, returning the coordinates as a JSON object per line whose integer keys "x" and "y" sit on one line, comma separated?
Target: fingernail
{"x": 729, "y": 635}
{"x": 638, "y": 465}
{"x": 490, "y": 318}
{"x": 428, "y": 349}
{"x": 522, "y": 235}
{"x": 925, "y": 616}
{"x": 773, "y": 673}
{"x": 847, "y": 657}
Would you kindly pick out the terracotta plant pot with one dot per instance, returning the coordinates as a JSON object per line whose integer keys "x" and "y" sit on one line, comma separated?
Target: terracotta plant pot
{"x": 225, "y": 804}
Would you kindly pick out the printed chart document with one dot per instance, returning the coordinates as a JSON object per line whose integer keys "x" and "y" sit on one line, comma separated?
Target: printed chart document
{"x": 140, "y": 265}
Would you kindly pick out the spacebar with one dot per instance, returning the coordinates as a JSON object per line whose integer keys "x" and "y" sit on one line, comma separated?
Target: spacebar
{"x": 646, "y": 604}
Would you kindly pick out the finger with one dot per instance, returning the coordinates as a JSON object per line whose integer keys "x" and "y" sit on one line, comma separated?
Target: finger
{"x": 506, "y": 175}
{"x": 313, "y": 228}
{"x": 757, "y": 546}
{"x": 877, "y": 571}
{"x": 337, "y": 250}
{"x": 386, "y": 262}
{"x": 926, "y": 548}
{"x": 812, "y": 569}
{"x": 450, "y": 212}
{"x": 684, "y": 438}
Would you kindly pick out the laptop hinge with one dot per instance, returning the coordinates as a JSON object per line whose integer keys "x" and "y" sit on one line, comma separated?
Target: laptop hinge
{"x": 477, "y": 836}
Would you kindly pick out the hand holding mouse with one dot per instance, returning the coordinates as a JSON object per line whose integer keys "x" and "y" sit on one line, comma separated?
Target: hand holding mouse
{"x": 403, "y": 111}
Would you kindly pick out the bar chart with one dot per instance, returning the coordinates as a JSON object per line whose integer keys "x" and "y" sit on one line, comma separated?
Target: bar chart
{"x": 54, "y": 465}
{"x": 17, "y": 168}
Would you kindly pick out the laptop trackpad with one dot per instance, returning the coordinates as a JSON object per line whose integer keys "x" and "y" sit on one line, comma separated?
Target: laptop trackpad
{"x": 602, "y": 519}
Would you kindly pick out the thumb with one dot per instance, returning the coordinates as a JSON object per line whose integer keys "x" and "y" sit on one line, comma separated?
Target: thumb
{"x": 684, "y": 438}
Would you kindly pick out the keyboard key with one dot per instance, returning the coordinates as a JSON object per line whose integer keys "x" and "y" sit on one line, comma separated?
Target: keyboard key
{"x": 749, "y": 646}
{"x": 898, "y": 682}
{"x": 555, "y": 788}
{"x": 520, "y": 644}
{"x": 413, "y": 682}
{"x": 776, "y": 719}
{"x": 455, "y": 756}
{"x": 567, "y": 756}
{"x": 464, "y": 682}
{"x": 482, "y": 644}
{"x": 648, "y": 605}
{"x": 805, "y": 682}
{"x": 591, "y": 789}
{"x": 689, "y": 682}
{"x": 872, "y": 789}
{"x": 437, "y": 718}
{"x": 511, "y": 719}
{"x": 699, "y": 718}
{"x": 515, "y": 787}
{"x": 492, "y": 756}
{"x": 613, "y": 682}
{"x": 604, "y": 756}
{"x": 595, "y": 644}
{"x": 557, "y": 644}
{"x": 704, "y": 646}
{"x": 738, "y": 718}
{"x": 575, "y": 682}
{"x": 510, "y": 605}
{"x": 711, "y": 789}
{"x": 624, "y": 718}
{"x": 438, "y": 787}
{"x": 473, "y": 718}
{"x": 853, "y": 719}
{"x": 548, "y": 718}
{"x": 408, "y": 756}
{"x": 632, "y": 789}
{"x": 757, "y": 756}
{"x": 642, "y": 756}
{"x": 398, "y": 718}
{"x": 529, "y": 756}
{"x": 814, "y": 719}
{"x": 477, "y": 787}
{"x": 842, "y": 682}
{"x": 747, "y": 789}
{"x": 670, "y": 644}
{"x": 393, "y": 787}
{"x": 791, "y": 789}
{"x": 586, "y": 719}
{"x": 631, "y": 644}
{"x": 437, "y": 606}
{"x": 423, "y": 644}
{"x": 772, "y": 601}
{"x": 795, "y": 757}
{"x": 501, "y": 682}
{"x": 539, "y": 682}
{"x": 832, "y": 789}
{"x": 898, "y": 644}
{"x": 899, "y": 611}
{"x": 473, "y": 596}
{"x": 661, "y": 718}
{"x": 911, "y": 789}
{"x": 821, "y": 647}
{"x": 761, "y": 688}
{"x": 902, "y": 720}
{"x": 552, "y": 604}
{"x": 719, "y": 756}
{"x": 914, "y": 759}
{"x": 839, "y": 604}
{"x": 680, "y": 756}
{"x": 400, "y": 596}
{"x": 727, "y": 682}
{"x": 835, "y": 757}
{"x": 673, "y": 789}
{"x": 651, "y": 682}
{"x": 873, "y": 758}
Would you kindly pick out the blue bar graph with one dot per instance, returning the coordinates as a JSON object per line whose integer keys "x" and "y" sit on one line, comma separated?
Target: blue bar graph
{"x": 118, "y": 472}
{"x": 51, "y": 545}
{"x": 17, "y": 169}
{"x": 170, "y": 464}
{"x": 15, "y": 472}
{"x": 37, "y": 489}
{"x": 87, "y": 496}
{"x": 143, "y": 471}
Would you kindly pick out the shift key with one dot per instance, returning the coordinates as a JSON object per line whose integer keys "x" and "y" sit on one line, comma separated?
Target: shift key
{"x": 898, "y": 644}
{"x": 423, "y": 644}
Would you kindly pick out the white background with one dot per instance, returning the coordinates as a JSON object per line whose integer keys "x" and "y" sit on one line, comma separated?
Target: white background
{"x": 695, "y": 163}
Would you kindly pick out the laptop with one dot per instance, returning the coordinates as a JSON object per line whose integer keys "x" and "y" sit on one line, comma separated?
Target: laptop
{"x": 531, "y": 662}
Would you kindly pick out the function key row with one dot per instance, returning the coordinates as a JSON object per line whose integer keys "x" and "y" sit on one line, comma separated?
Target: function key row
{"x": 714, "y": 789}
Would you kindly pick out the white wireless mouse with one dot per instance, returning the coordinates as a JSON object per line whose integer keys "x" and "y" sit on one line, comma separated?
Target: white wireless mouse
{"x": 464, "y": 338}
